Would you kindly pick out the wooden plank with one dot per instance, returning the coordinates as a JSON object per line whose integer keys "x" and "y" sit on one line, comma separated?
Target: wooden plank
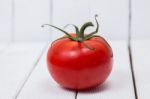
{"x": 29, "y": 16}
{"x": 140, "y": 19}
{"x": 5, "y": 20}
{"x": 113, "y": 16}
{"x": 16, "y": 63}
{"x": 69, "y": 12}
{"x": 141, "y": 64}
{"x": 3, "y": 46}
{"x": 119, "y": 84}
{"x": 40, "y": 85}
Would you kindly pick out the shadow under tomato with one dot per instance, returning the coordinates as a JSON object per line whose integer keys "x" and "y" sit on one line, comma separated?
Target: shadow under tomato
{"x": 100, "y": 88}
{"x": 97, "y": 89}
{"x": 117, "y": 81}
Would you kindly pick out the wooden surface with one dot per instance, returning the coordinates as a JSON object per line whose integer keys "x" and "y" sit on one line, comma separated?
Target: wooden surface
{"x": 113, "y": 16}
{"x": 29, "y": 15}
{"x": 119, "y": 84}
{"x": 140, "y": 19}
{"x": 24, "y": 74}
{"x": 141, "y": 62}
{"x": 5, "y": 20}
{"x": 16, "y": 62}
{"x": 21, "y": 20}
{"x": 40, "y": 85}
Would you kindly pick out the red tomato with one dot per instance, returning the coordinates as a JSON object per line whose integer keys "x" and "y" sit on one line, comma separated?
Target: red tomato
{"x": 80, "y": 64}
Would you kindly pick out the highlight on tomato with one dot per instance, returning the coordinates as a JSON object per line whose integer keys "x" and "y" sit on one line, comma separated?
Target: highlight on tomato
{"x": 78, "y": 60}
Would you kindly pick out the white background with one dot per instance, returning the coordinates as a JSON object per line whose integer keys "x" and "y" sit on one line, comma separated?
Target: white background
{"x": 21, "y": 20}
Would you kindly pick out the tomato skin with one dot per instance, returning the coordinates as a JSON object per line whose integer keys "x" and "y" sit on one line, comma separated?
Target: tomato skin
{"x": 79, "y": 66}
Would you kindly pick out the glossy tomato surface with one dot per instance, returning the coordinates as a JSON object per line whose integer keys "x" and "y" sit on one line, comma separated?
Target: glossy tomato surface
{"x": 80, "y": 65}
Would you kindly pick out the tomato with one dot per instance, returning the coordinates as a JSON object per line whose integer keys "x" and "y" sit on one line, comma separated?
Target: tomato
{"x": 80, "y": 61}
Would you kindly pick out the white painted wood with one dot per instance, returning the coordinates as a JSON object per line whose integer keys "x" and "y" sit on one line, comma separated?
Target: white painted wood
{"x": 119, "y": 84}
{"x": 5, "y": 20}
{"x": 69, "y": 12}
{"x": 29, "y": 16}
{"x": 40, "y": 85}
{"x": 2, "y": 47}
{"x": 113, "y": 15}
{"x": 140, "y": 19}
{"x": 16, "y": 63}
{"x": 141, "y": 64}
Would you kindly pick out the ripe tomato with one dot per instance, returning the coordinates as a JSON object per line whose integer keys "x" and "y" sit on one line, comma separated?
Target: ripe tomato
{"x": 80, "y": 62}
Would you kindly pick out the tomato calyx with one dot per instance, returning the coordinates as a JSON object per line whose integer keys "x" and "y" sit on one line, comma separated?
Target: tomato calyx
{"x": 80, "y": 37}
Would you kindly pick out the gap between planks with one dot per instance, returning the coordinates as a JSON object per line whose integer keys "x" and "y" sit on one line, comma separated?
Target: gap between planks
{"x": 132, "y": 71}
{"x": 30, "y": 72}
{"x": 76, "y": 94}
{"x": 129, "y": 48}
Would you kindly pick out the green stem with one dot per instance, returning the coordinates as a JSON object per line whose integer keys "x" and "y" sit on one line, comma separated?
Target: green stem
{"x": 97, "y": 28}
{"x": 76, "y": 29}
{"x": 69, "y": 36}
{"x": 80, "y": 37}
{"x": 82, "y": 30}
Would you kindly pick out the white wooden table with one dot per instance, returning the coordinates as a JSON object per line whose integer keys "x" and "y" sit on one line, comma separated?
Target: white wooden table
{"x": 24, "y": 74}
{"x": 23, "y": 69}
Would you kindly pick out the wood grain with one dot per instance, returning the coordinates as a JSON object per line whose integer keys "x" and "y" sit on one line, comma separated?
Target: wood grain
{"x": 40, "y": 85}
{"x": 16, "y": 63}
{"x": 141, "y": 64}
